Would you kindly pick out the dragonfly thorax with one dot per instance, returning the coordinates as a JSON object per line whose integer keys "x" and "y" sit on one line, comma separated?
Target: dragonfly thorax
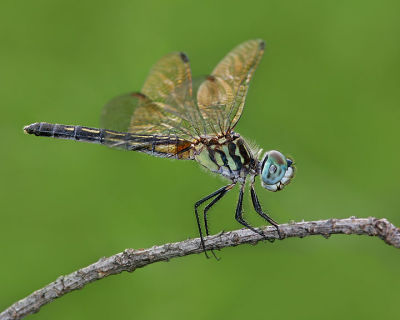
{"x": 229, "y": 156}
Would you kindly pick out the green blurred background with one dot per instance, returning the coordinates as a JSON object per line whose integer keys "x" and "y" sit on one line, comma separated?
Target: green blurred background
{"x": 326, "y": 93}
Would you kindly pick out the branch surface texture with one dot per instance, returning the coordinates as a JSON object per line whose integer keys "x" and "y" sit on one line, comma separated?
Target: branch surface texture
{"x": 131, "y": 259}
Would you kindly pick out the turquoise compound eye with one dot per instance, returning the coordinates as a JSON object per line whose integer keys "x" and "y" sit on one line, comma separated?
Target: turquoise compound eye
{"x": 273, "y": 168}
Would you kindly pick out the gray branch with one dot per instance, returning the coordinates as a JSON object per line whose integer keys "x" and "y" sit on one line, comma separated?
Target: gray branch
{"x": 131, "y": 259}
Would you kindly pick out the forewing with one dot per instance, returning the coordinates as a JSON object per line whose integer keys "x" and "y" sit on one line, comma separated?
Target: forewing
{"x": 213, "y": 97}
{"x": 222, "y": 95}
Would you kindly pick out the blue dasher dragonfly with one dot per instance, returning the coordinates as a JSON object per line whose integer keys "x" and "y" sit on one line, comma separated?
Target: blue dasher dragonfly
{"x": 176, "y": 117}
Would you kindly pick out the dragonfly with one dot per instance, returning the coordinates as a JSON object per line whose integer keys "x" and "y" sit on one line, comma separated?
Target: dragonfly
{"x": 175, "y": 116}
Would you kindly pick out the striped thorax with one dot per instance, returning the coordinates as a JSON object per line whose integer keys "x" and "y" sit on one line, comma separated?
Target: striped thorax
{"x": 229, "y": 156}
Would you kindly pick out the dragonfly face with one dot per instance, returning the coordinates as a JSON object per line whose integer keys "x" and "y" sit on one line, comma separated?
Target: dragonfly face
{"x": 276, "y": 171}
{"x": 176, "y": 117}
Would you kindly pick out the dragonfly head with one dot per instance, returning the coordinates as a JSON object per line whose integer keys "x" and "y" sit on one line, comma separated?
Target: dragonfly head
{"x": 276, "y": 171}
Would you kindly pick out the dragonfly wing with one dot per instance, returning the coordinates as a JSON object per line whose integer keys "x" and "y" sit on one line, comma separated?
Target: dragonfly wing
{"x": 134, "y": 122}
{"x": 163, "y": 119}
{"x": 166, "y": 76}
{"x": 165, "y": 106}
{"x": 117, "y": 113}
{"x": 155, "y": 145}
{"x": 168, "y": 107}
{"x": 223, "y": 94}
{"x": 169, "y": 84}
{"x": 158, "y": 118}
{"x": 213, "y": 97}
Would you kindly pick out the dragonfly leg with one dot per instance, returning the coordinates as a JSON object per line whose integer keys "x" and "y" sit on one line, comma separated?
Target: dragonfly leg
{"x": 257, "y": 207}
{"x": 239, "y": 214}
{"x": 208, "y": 207}
{"x": 198, "y": 203}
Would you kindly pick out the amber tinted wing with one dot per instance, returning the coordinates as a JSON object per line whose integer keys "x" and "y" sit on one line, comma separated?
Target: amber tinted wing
{"x": 149, "y": 136}
{"x": 117, "y": 113}
{"x": 164, "y": 112}
{"x": 166, "y": 76}
{"x": 165, "y": 106}
{"x": 222, "y": 96}
{"x": 169, "y": 87}
{"x": 156, "y": 145}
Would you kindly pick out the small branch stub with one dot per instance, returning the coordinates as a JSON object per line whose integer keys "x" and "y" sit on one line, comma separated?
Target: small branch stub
{"x": 131, "y": 259}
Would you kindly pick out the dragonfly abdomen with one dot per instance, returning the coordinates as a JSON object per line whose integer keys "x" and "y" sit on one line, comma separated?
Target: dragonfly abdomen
{"x": 121, "y": 140}
{"x": 159, "y": 146}
{"x": 62, "y": 131}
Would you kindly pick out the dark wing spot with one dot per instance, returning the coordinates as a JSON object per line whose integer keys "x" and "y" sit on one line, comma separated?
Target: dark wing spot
{"x": 184, "y": 57}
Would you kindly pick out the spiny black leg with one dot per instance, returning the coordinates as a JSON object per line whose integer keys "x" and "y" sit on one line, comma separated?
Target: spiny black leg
{"x": 208, "y": 207}
{"x": 257, "y": 207}
{"x": 239, "y": 217}
{"x": 196, "y": 205}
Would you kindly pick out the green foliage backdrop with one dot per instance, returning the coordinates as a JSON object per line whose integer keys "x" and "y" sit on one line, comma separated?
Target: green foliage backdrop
{"x": 326, "y": 92}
